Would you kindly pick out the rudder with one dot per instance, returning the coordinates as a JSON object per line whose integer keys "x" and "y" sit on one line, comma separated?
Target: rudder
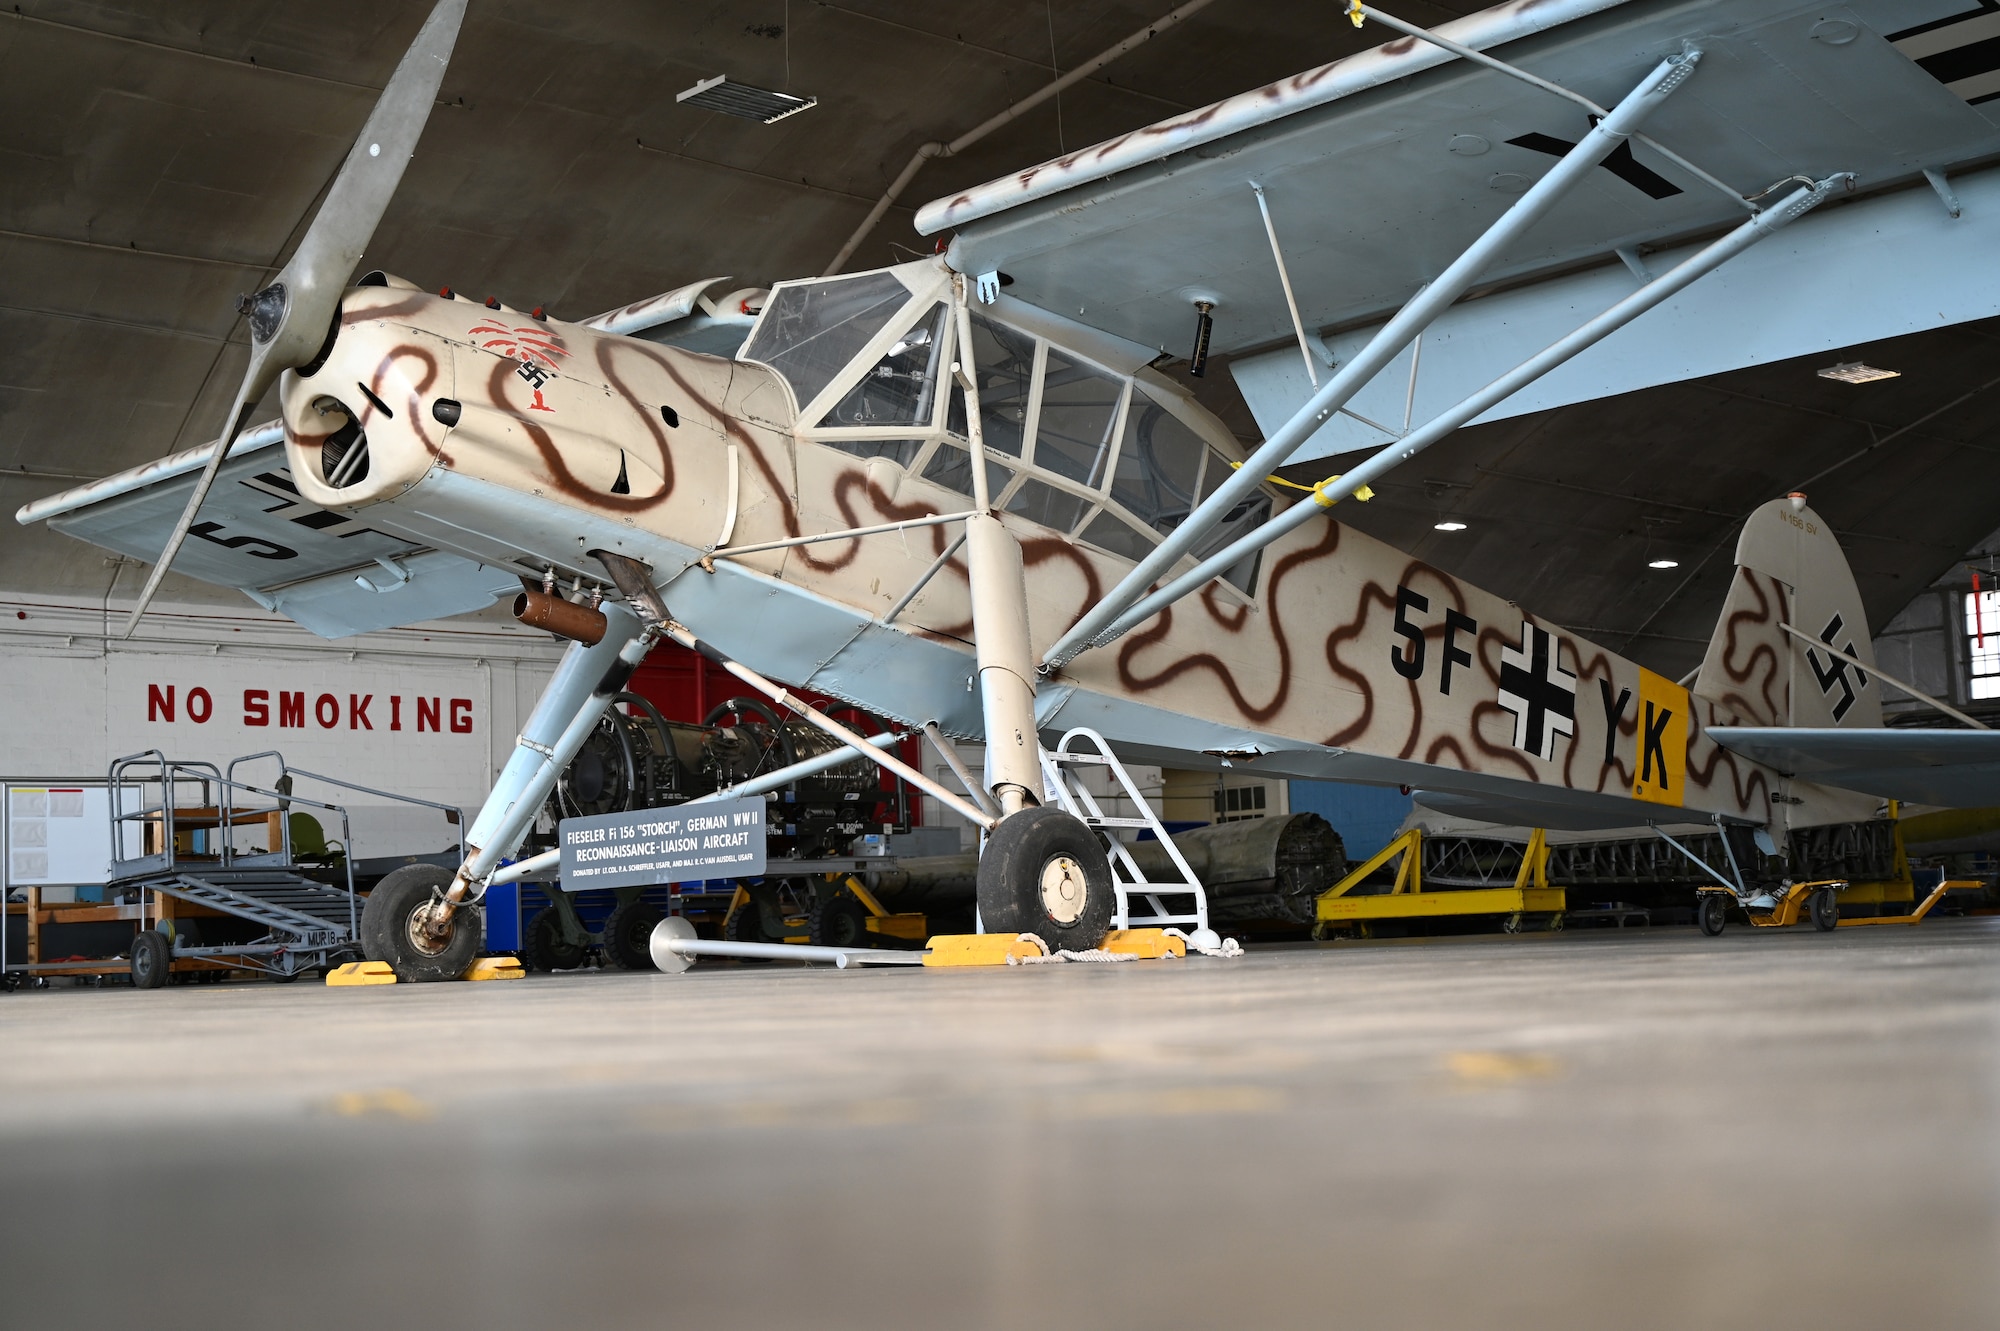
{"x": 1790, "y": 570}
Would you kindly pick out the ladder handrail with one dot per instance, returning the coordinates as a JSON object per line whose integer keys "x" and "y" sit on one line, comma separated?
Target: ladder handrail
{"x": 1079, "y": 801}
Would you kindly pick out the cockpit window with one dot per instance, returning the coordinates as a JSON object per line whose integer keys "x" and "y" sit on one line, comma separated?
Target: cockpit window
{"x": 951, "y": 467}
{"x": 1079, "y": 407}
{"x": 1004, "y": 361}
{"x": 901, "y": 387}
{"x": 811, "y": 332}
{"x": 1159, "y": 466}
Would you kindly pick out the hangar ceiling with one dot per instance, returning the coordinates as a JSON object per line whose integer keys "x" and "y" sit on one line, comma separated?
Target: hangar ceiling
{"x": 164, "y": 156}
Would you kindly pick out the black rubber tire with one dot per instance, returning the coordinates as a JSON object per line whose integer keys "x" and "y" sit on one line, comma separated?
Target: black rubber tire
{"x": 842, "y": 921}
{"x": 152, "y": 959}
{"x": 1019, "y": 852}
{"x": 628, "y": 934}
{"x": 542, "y": 945}
{"x": 1711, "y": 912}
{"x": 747, "y": 926}
{"x": 1825, "y": 909}
{"x": 385, "y": 927}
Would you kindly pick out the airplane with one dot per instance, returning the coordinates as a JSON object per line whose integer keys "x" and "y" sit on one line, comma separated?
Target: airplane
{"x": 931, "y": 492}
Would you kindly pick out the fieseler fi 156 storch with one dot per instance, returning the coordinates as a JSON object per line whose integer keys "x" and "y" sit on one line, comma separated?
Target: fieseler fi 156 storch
{"x": 981, "y": 510}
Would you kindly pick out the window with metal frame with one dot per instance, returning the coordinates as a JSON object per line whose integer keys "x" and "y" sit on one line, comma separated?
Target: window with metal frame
{"x": 901, "y": 388}
{"x": 811, "y": 332}
{"x": 1982, "y": 646}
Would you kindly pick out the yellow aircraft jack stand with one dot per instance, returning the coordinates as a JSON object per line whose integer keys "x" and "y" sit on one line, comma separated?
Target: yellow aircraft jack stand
{"x": 1531, "y": 894}
{"x": 908, "y": 926}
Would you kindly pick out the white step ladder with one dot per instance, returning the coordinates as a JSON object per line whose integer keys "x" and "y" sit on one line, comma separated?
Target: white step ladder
{"x": 1084, "y": 747}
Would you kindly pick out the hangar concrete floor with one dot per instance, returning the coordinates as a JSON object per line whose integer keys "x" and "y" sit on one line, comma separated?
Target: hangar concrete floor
{"x": 1591, "y": 1130}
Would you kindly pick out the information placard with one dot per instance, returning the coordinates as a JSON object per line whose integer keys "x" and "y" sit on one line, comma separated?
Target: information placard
{"x": 685, "y": 844}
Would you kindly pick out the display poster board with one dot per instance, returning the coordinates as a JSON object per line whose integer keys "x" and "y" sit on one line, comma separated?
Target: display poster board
{"x": 59, "y": 834}
{"x": 716, "y": 839}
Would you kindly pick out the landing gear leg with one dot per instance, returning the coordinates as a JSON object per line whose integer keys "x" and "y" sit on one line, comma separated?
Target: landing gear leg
{"x": 569, "y": 710}
{"x": 1042, "y": 870}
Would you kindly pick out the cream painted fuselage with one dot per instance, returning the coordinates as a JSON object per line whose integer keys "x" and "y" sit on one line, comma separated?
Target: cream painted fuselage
{"x": 1348, "y": 660}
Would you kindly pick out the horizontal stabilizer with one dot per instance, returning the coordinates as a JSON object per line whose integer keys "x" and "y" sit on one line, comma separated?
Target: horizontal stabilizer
{"x": 1955, "y": 768}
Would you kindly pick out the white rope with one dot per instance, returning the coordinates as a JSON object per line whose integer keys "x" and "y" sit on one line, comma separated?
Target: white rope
{"x": 1067, "y": 954}
{"x": 1229, "y": 947}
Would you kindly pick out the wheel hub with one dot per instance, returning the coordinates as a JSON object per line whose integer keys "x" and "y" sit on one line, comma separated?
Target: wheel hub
{"x": 429, "y": 928}
{"x": 1063, "y": 889}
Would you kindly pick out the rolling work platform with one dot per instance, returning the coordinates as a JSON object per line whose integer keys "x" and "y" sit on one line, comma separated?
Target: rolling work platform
{"x": 1341, "y": 909}
{"x": 283, "y": 908}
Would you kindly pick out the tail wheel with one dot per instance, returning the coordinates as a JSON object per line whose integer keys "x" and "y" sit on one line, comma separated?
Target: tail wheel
{"x": 1825, "y": 909}
{"x": 1044, "y": 873}
{"x": 393, "y": 926}
{"x": 1711, "y": 912}
{"x": 628, "y": 934}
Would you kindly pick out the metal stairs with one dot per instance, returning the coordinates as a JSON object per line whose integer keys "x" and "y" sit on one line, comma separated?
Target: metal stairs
{"x": 305, "y": 912}
{"x": 1083, "y": 748}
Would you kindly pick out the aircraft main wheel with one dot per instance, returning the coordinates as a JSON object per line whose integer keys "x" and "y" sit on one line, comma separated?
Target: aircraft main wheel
{"x": 543, "y": 947}
{"x": 391, "y": 927}
{"x": 1044, "y": 873}
{"x": 152, "y": 959}
{"x": 841, "y": 921}
{"x": 1711, "y": 912}
{"x": 1825, "y": 909}
{"x": 628, "y": 935}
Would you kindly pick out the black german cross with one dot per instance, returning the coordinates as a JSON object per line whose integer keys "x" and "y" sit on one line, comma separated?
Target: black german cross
{"x": 1538, "y": 691}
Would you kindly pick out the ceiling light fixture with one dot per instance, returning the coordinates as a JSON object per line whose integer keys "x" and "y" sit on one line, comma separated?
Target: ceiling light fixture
{"x": 740, "y": 99}
{"x": 1855, "y": 372}
{"x": 1450, "y": 526}
{"x": 1663, "y": 563}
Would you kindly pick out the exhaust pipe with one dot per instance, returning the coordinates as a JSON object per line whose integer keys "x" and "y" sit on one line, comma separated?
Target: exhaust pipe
{"x": 565, "y": 619}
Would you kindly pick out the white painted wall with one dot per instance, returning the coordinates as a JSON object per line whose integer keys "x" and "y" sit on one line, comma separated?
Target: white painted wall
{"x": 75, "y": 698}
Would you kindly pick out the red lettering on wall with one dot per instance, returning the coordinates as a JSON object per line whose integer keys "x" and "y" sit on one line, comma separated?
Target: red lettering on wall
{"x": 357, "y": 712}
{"x": 256, "y": 707}
{"x": 291, "y": 710}
{"x": 461, "y": 725}
{"x": 198, "y": 699}
{"x": 159, "y": 706}
{"x": 427, "y": 714}
{"x": 326, "y": 710}
{"x": 395, "y": 711}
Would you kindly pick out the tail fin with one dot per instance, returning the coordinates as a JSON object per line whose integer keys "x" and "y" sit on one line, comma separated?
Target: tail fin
{"x": 1790, "y": 570}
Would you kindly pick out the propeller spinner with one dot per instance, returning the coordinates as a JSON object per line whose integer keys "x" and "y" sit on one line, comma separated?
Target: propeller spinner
{"x": 293, "y": 320}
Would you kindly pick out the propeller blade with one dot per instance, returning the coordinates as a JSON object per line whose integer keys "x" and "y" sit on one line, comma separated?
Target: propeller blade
{"x": 246, "y": 402}
{"x": 289, "y": 318}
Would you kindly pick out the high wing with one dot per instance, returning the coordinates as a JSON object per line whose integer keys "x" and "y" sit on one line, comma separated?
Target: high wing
{"x": 1955, "y": 768}
{"x": 1379, "y": 168}
{"x": 328, "y": 572}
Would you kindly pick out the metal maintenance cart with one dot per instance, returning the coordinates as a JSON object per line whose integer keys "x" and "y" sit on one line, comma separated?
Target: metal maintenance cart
{"x": 283, "y": 908}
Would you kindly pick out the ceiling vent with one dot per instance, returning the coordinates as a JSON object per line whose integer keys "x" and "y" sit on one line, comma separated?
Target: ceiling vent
{"x": 1854, "y": 372}
{"x": 740, "y": 99}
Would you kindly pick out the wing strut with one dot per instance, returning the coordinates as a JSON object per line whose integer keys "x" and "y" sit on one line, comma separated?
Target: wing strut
{"x": 1387, "y": 343}
{"x": 1330, "y": 491}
